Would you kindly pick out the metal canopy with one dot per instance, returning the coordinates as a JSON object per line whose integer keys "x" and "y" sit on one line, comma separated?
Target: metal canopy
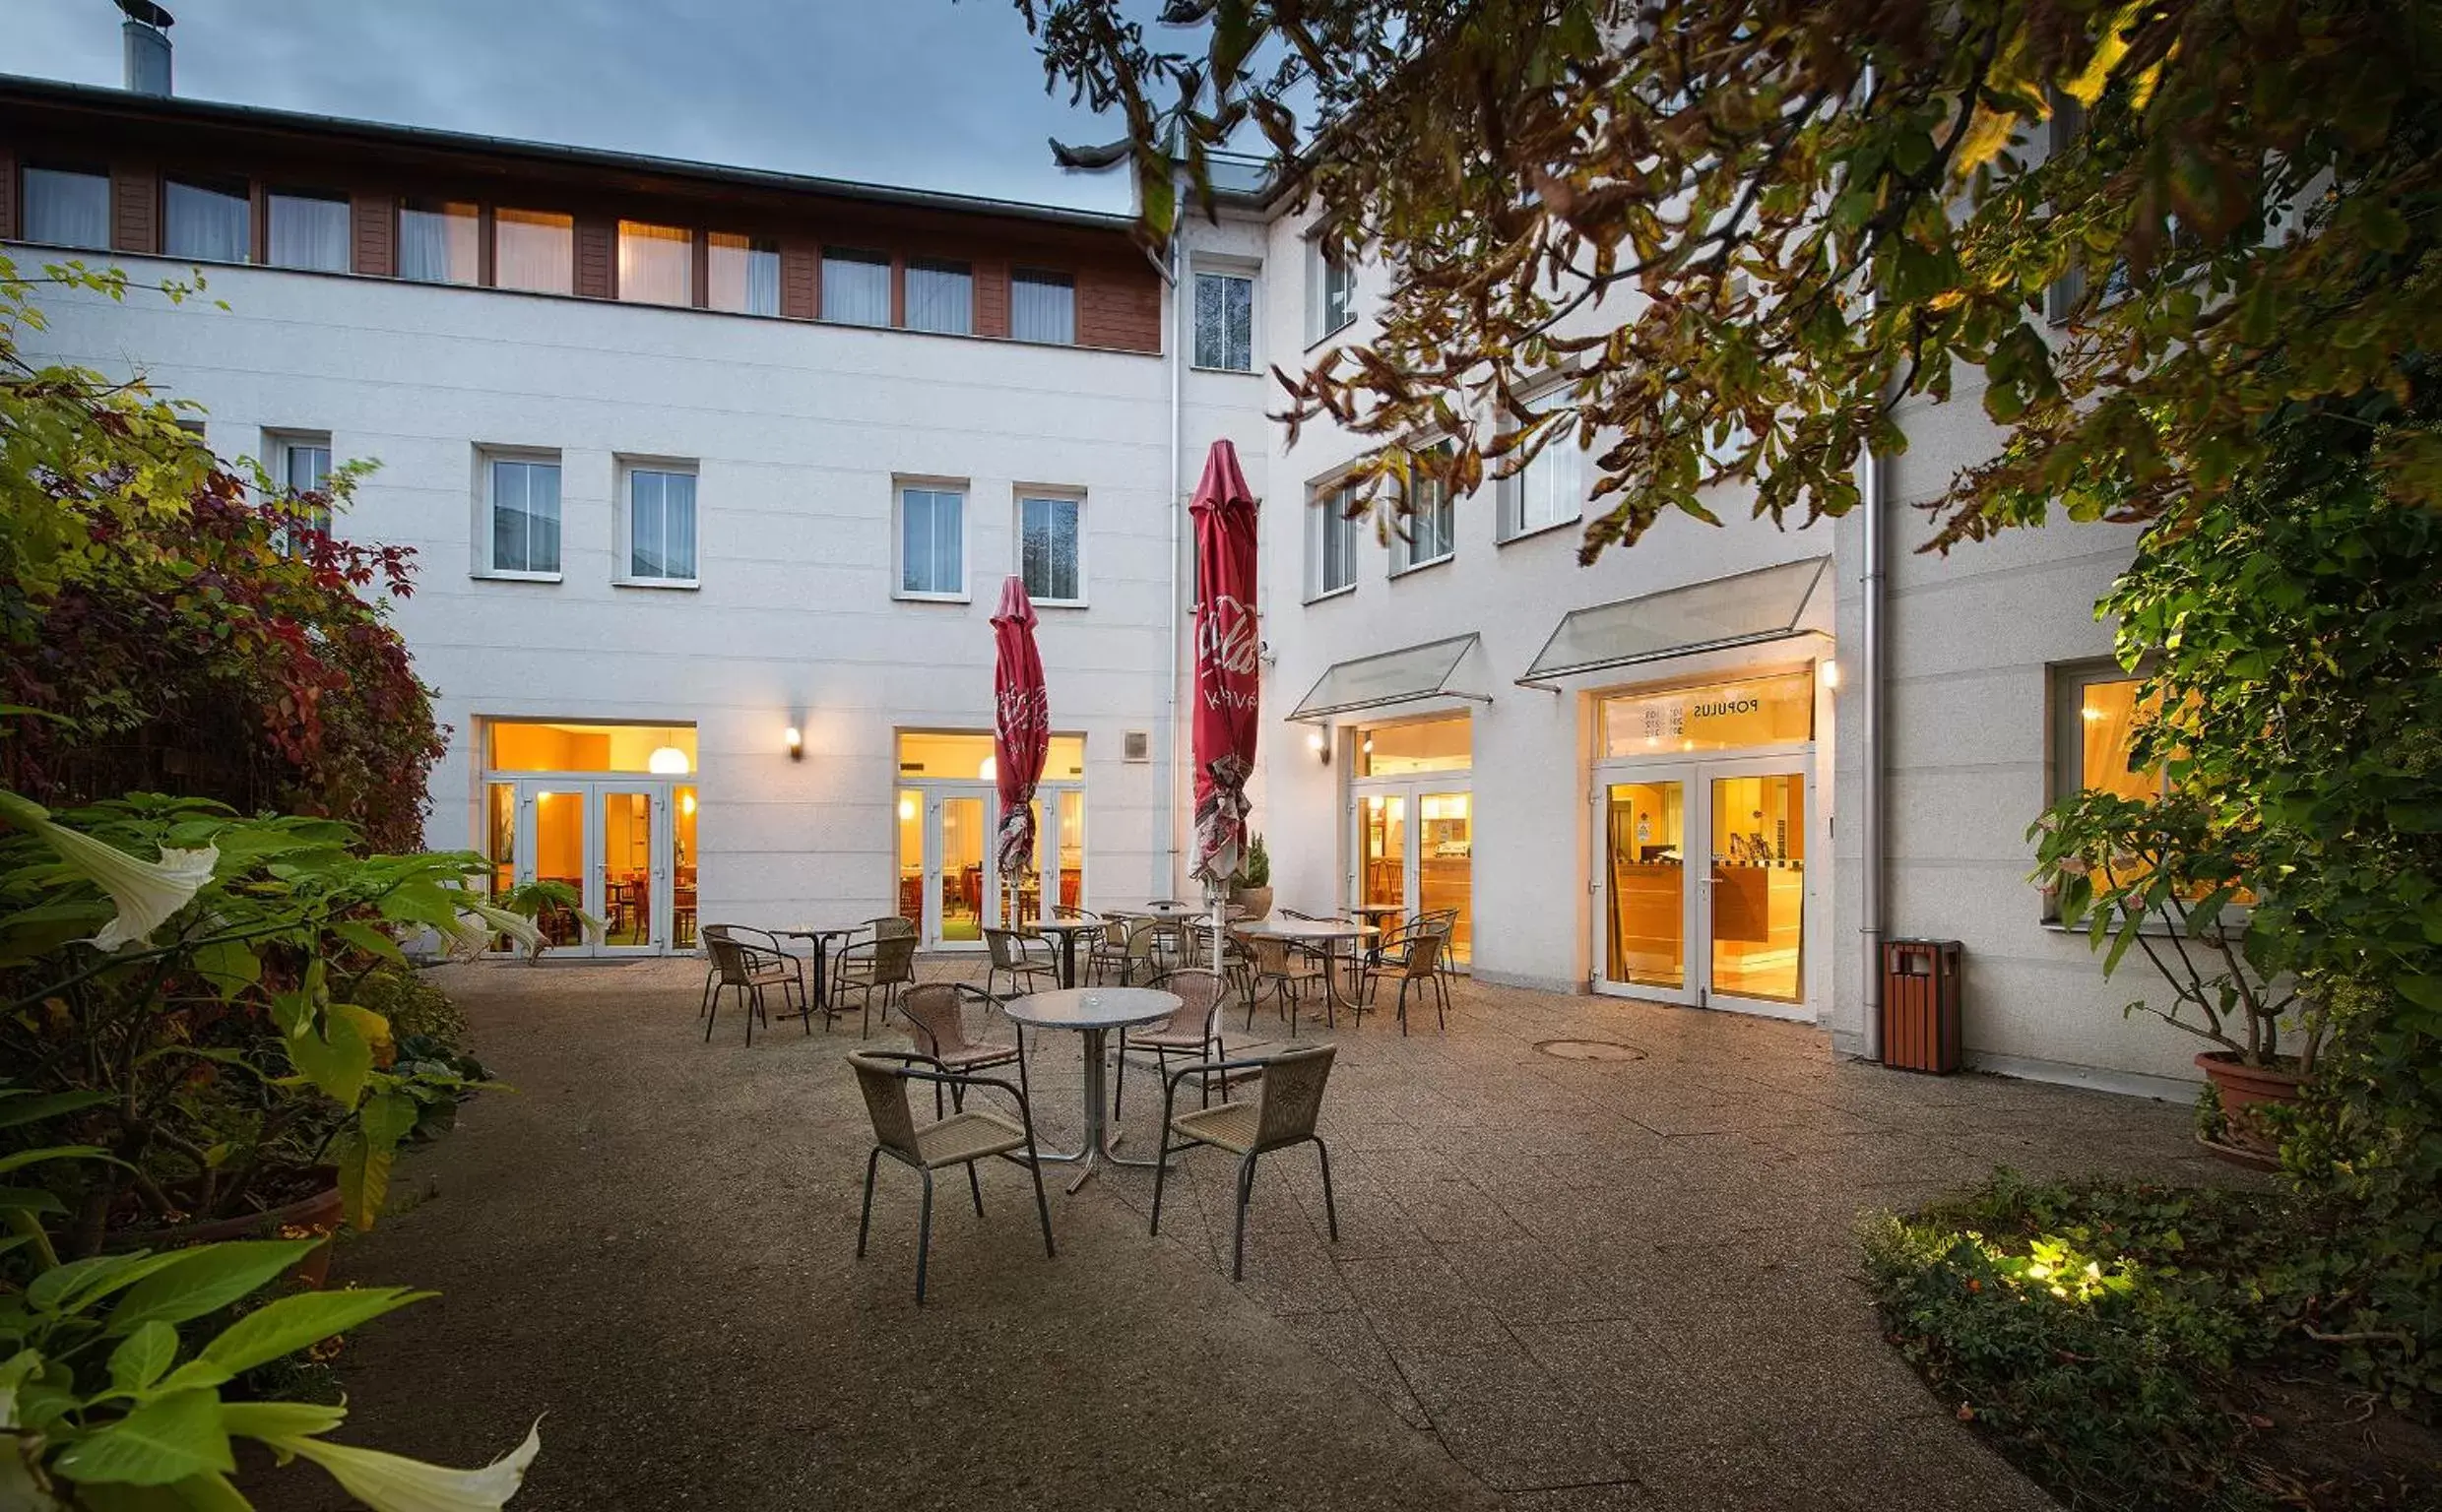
{"x": 1741, "y": 609}
{"x": 1391, "y": 677}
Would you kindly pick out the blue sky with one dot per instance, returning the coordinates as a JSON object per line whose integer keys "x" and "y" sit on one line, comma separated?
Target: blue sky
{"x": 925, "y": 94}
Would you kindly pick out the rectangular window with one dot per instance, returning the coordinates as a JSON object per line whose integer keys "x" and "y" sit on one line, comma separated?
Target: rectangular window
{"x": 661, "y": 524}
{"x": 1050, "y": 548}
{"x": 66, "y": 207}
{"x": 1552, "y": 489}
{"x": 308, "y": 228}
{"x": 1043, "y": 307}
{"x": 300, "y": 464}
{"x": 741, "y": 275}
{"x": 2098, "y": 711}
{"x": 438, "y": 241}
{"x": 206, "y": 220}
{"x": 1331, "y": 542}
{"x": 1330, "y": 291}
{"x": 941, "y": 296}
{"x": 656, "y": 264}
{"x": 535, "y": 251}
{"x": 932, "y": 543}
{"x": 522, "y": 500}
{"x": 1430, "y": 526}
{"x": 1225, "y": 322}
{"x": 856, "y": 288}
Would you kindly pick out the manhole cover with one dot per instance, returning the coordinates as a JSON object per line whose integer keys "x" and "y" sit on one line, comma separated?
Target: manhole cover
{"x": 1590, "y": 1049}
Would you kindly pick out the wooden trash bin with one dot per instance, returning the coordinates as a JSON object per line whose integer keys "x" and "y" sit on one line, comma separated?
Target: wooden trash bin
{"x": 1921, "y": 1005}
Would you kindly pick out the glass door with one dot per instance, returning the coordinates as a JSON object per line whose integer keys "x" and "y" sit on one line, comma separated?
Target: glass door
{"x": 1415, "y": 850}
{"x": 1382, "y": 848}
{"x": 1755, "y": 903}
{"x": 630, "y": 872}
{"x": 1059, "y": 880}
{"x": 551, "y": 847}
{"x": 1645, "y": 908}
{"x": 608, "y": 842}
{"x": 946, "y": 882}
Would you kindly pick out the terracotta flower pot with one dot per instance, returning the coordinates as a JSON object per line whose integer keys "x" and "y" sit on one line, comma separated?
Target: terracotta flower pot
{"x": 1256, "y": 901}
{"x": 2243, "y": 1087}
{"x": 316, "y": 1213}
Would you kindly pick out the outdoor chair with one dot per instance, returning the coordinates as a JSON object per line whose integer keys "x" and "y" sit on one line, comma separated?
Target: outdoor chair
{"x": 748, "y": 960}
{"x": 1063, "y": 911}
{"x": 936, "y": 1014}
{"x": 1109, "y": 949}
{"x": 961, "y": 1139}
{"x": 1026, "y": 960}
{"x": 1410, "y": 956}
{"x": 1288, "y": 1098}
{"x": 1283, "y": 967}
{"x": 1193, "y": 1031}
{"x": 887, "y": 964}
{"x": 892, "y": 926}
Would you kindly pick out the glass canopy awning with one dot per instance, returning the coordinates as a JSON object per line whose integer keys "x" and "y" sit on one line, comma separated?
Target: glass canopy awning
{"x": 1391, "y": 677}
{"x": 1742, "y": 609}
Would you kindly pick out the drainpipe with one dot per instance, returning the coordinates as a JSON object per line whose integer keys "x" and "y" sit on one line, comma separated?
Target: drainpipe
{"x": 1167, "y": 883}
{"x": 1870, "y": 925}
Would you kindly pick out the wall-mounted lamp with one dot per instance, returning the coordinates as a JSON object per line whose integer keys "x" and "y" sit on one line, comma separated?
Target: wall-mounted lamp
{"x": 1321, "y": 744}
{"x": 1830, "y": 673}
{"x": 795, "y": 739}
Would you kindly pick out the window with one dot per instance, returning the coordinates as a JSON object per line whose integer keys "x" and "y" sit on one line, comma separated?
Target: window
{"x": 660, "y": 545}
{"x": 302, "y": 465}
{"x": 1043, "y": 307}
{"x": 1331, "y": 543}
{"x": 438, "y": 241}
{"x": 66, "y": 207}
{"x": 941, "y": 296}
{"x": 1431, "y": 526}
{"x": 932, "y": 543}
{"x": 656, "y": 264}
{"x": 2098, "y": 710}
{"x": 856, "y": 288}
{"x": 204, "y": 220}
{"x": 534, "y": 250}
{"x": 308, "y": 228}
{"x": 1552, "y": 489}
{"x": 522, "y": 503}
{"x": 1330, "y": 291}
{"x": 1225, "y": 322}
{"x": 741, "y": 275}
{"x": 1051, "y": 549}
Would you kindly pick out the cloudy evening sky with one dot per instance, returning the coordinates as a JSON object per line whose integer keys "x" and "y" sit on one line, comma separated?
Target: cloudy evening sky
{"x": 924, "y": 94}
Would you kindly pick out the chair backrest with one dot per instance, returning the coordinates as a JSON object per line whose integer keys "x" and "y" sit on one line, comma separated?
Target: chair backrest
{"x": 728, "y": 958}
{"x": 894, "y": 959}
{"x": 1114, "y": 932}
{"x": 1270, "y": 954}
{"x": 934, "y": 1010}
{"x": 1199, "y": 998}
{"x": 890, "y": 927}
{"x": 885, "y": 1100}
{"x": 1424, "y": 947}
{"x": 1005, "y": 950}
{"x": 1141, "y": 934}
{"x": 1292, "y": 1095}
{"x": 1067, "y": 911}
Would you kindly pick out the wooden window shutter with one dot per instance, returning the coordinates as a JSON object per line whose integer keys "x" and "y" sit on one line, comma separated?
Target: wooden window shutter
{"x": 135, "y": 209}
{"x": 375, "y": 218}
{"x": 598, "y": 241}
{"x": 801, "y": 274}
{"x": 8, "y": 195}
{"x": 992, "y": 296}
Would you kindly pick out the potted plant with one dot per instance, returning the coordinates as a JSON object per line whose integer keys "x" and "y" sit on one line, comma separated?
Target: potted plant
{"x": 1252, "y": 888}
{"x": 2171, "y": 878}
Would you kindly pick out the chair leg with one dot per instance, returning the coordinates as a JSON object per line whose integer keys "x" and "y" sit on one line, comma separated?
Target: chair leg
{"x": 1331, "y": 1209}
{"x": 1043, "y": 1209}
{"x": 1245, "y": 1195}
{"x": 1119, "y": 1081}
{"x": 1161, "y": 1175}
{"x": 1403, "y": 1007}
{"x": 864, "y": 1220}
{"x": 974, "y": 1189}
{"x": 712, "y": 1012}
{"x": 923, "y": 1240}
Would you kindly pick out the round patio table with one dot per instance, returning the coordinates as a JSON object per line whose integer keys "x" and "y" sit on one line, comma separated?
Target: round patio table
{"x": 1067, "y": 930}
{"x": 1093, "y": 1012}
{"x": 1325, "y": 932}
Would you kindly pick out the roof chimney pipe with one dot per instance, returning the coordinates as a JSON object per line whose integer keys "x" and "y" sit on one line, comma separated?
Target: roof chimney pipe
{"x": 146, "y": 34}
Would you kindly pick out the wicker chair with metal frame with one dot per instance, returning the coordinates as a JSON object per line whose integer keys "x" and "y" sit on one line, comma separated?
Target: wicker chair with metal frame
{"x": 749, "y": 966}
{"x": 1409, "y": 955}
{"x": 1107, "y": 949}
{"x": 1024, "y": 959}
{"x": 962, "y": 1139}
{"x": 888, "y": 962}
{"x": 1288, "y": 1100}
{"x": 1192, "y": 1030}
{"x": 1283, "y": 967}
{"x": 937, "y": 1021}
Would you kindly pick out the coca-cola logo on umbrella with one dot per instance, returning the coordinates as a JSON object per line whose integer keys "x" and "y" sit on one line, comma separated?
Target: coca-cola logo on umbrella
{"x": 1226, "y": 638}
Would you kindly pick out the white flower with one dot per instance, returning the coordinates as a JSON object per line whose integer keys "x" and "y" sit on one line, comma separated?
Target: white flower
{"x": 596, "y": 931}
{"x": 517, "y": 926}
{"x": 146, "y": 893}
{"x": 390, "y": 1483}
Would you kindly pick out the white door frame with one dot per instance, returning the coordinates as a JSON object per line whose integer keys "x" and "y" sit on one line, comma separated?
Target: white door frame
{"x": 930, "y": 792}
{"x": 587, "y": 790}
{"x": 1411, "y": 789}
{"x": 1696, "y": 772}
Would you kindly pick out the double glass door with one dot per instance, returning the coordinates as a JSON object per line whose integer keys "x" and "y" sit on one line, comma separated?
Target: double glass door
{"x": 948, "y": 878}
{"x": 1415, "y": 846}
{"x": 1701, "y": 883}
{"x": 612, "y": 842}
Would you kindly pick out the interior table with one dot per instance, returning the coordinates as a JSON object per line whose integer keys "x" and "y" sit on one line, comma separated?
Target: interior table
{"x": 1067, "y": 930}
{"x": 821, "y": 940}
{"x": 1326, "y": 934}
{"x": 1093, "y": 1012}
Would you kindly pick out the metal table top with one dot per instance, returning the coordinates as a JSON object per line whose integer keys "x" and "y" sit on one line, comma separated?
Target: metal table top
{"x": 1307, "y": 929}
{"x": 1092, "y": 1007}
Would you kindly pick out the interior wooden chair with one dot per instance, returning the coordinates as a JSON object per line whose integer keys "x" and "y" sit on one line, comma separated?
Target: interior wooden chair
{"x": 1288, "y": 1100}
{"x": 963, "y": 1138}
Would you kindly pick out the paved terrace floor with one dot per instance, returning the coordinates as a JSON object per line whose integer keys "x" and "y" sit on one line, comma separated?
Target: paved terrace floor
{"x": 1560, "y": 1286}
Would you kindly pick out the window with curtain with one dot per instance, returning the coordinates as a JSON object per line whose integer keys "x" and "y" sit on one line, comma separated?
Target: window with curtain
{"x": 741, "y": 274}
{"x": 2102, "y": 710}
{"x": 66, "y": 207}
{"x": 205, "y": 222}
{"x": 656, "y": 264}
{"x": 1225, "y": 322}
{"x": 1050, "y": 555}
{"x": 535, "y": 251}
{"x": 1331, "y": 554}
{"x": 932, "y": 543}
{"x": 525, "y": 513}
{"x": 1552, "y": 489}
{"x": 438, "y": 241}
{"x": 1432, "y": 526}
{"x": 661, "y": 525}
{"x": 302, "y": 464}
{"x": 856, "y": 288}
{"x": 941, "y": 296}
{"x": 1043, "y": 307}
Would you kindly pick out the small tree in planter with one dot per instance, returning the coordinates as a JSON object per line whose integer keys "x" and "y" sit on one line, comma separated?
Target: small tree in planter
{"x": 1252, "y": 888}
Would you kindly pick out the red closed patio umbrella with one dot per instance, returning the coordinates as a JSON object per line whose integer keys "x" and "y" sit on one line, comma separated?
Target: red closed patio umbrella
{"x": 1021, "y": 728}
{"x": 1228, "y": 678}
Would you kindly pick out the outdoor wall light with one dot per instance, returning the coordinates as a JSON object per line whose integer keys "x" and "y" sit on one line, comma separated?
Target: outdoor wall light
{"x": 795, "y": 739}
{"x": 1321, "y": 744}
{"x": 1830, "y": 673}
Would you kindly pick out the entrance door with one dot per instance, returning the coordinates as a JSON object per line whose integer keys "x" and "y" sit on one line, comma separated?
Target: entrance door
{"x": 1415, "y": 849}
{"x": 1727, "y": 931}
{"x": 609, "y": 842}
{"x": 946, "y": 882}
